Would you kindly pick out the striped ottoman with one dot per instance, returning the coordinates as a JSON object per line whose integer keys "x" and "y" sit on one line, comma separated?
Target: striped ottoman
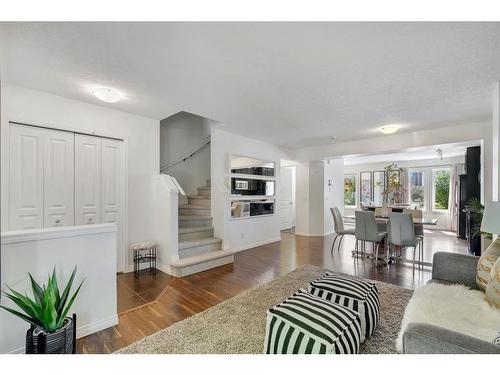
{"x": 305, "y": 324}
{"x": 356, "y": 294}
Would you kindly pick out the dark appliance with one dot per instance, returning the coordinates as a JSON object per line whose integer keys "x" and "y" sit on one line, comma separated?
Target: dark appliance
{"x": 462, "y": 196}
{"x": 256, "y": 171}
{"x": 472, "y": 189}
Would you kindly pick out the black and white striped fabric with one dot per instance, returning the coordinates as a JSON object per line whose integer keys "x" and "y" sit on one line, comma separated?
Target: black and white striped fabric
{"x": 356, "y": 294}
{"x": 305, "y": 324}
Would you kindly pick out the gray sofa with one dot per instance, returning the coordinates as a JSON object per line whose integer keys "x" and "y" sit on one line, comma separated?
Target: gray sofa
{"x": 447, "y": 268}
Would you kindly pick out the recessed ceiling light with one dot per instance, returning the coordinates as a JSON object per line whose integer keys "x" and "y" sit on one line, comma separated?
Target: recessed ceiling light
{"x": 333, "y": 139}
{"x": 106, "y": 94}
{"x": 389, "y": 129}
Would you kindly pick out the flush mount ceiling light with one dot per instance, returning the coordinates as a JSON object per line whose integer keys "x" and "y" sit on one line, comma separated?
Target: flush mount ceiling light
{"x": 333, "y": 139}
{"x": 106, "y": 94}
{"x": 389, "y": 129}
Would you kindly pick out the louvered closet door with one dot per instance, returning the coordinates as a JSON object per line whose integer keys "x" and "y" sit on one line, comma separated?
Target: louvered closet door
{"x": 58, "y": 191}
{"x": 111, "y": 190}
{"x": 87, "y": 179}
{"x": 26, "y": 177}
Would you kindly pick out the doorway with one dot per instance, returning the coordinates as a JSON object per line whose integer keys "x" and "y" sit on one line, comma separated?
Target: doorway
{"x": 287, "y": 195}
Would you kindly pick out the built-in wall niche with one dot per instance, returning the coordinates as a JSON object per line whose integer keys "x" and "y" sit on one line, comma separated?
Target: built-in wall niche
{"x": 245, "y": 165}
{"x": 244, "y": 208}
{"x": 247, "y": 186}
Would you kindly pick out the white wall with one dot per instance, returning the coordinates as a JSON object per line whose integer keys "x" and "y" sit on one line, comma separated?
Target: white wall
{"x": 141, "y": 137}
{"x": 90, "y": 247}
{"x": 496, "y": 144}
{"x": 334, "y": 194}
{"x": 396, "y": 142}
{"x": 181, "y": 134}
{"x": 240, "y": 234}
{"x": 315, "y": 197}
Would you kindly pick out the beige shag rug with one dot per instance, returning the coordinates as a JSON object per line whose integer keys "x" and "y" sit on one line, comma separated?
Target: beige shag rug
{"x": 237, "y": 326}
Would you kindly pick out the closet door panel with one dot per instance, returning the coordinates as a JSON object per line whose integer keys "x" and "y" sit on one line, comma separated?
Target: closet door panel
{"x": 26, "y": 177}
{"x": 111, "y": 189}
{"x": 87, "y": 179}
{"x": 59, "y": 179}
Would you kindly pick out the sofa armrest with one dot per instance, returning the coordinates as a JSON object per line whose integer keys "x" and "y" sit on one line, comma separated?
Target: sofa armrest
{"x": 421, "y": 338}
{"x": 455, "y": 268}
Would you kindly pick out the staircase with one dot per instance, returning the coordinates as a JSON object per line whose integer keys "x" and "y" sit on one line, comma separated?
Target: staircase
{"x": 199, "y": 250}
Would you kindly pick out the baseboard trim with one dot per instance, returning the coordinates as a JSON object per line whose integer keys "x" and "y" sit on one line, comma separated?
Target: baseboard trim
{"x": 255, "y": 244}
{"x": 307, "y": 234}
{"x": 85, "y": 330}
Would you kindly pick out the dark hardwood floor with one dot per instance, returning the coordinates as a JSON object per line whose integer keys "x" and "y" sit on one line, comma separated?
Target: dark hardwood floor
{"x": 168, "y": 300}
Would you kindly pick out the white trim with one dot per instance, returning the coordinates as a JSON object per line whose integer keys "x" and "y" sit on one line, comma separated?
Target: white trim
{"x": 255, "y": 244}
{"x": 84, "y": 330}
{"x": 27, "y": 235}
{"x": 314, "y": 234}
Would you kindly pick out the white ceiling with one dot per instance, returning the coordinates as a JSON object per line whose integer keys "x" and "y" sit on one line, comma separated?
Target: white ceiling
{"x": 449, "y": 150}
{"x": 293, "y": 84}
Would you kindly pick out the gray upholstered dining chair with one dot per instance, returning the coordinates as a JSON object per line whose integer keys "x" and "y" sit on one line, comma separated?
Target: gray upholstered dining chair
{"x": 340, "y": 231}
{"x": 366, "y": 231}
{"x": 401, "y": 232}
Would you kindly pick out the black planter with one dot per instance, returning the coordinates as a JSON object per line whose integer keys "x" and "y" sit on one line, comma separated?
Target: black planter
{"x": 62, "y": 341}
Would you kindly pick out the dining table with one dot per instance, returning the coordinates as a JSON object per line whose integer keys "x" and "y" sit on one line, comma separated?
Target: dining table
{"x": 416, "y": 221}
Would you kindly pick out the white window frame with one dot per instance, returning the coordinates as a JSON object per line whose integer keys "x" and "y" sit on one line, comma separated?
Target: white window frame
{"x": 425, "y": 180}
{"x": 355, "y": 175}
{"x": 433, "y": 189}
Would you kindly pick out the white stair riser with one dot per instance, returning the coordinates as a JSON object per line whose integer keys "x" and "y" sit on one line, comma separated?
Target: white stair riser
{"x": 195, "y": 268}
{"x": 204, "y": 192}
{"x": 194, "y": 211}
{"x": 196, "y": 235}
{"x": 194, "y": 222}
{"x": 198, "y": 250}
{"x": 203, "y": 202}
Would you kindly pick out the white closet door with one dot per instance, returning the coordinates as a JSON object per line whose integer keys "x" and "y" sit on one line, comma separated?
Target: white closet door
{"x": 111, "y": 190}
{"x": 26, "y": 177}
{"x": 87, "y": 179}
{"x": 58, "y": 179}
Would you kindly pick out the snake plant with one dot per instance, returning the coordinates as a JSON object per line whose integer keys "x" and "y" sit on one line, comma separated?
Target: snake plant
{"x": 49, "y": 307}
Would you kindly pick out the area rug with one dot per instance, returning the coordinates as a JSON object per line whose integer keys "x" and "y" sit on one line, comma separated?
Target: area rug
{"x": 237, "y": 326}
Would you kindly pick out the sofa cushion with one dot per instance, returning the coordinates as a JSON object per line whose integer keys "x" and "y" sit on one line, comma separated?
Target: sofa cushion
{"x": 305, "y": 324}
{"x": 486, "y": 262}
{"x": 453, "y": 307}
{"x": 493, "y": 287}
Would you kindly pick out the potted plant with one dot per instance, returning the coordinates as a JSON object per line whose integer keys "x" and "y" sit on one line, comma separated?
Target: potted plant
{"x": 393, "y": 188}
{"x": 51, "y": 331}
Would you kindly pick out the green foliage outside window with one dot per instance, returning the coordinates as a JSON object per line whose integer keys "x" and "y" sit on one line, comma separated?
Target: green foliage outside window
{"x": 350, "y": 190}
{"x": 441, "y": 189}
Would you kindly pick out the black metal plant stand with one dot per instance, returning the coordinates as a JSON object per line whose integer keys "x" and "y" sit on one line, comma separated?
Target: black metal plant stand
{"x": 147, "y": 255}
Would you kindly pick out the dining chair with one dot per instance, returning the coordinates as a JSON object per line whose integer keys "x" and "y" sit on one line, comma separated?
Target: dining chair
{"x": 381, "y": 212}
{"x": 366, "y": 231}
{"x": 401, "y": 232}
{"x": 340, "y": 231}
{"x": 419, "y": 228}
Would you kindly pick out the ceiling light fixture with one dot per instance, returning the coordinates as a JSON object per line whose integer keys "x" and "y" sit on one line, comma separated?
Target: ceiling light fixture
{"x": 333, "y": 139}
{"x": 389, "y": 129}
{"x": 106, "y": 94}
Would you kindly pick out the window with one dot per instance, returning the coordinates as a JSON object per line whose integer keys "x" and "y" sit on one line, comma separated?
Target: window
{"x": 350, "y": 190}
{"x": 417, "y": 188}
{"x": 441, "y": 188}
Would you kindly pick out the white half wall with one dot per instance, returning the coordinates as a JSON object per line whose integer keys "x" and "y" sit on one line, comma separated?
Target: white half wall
{"x": 141, "y": 136}
{"x": 92, "y": 248}
{"x": 244, "y": 233}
